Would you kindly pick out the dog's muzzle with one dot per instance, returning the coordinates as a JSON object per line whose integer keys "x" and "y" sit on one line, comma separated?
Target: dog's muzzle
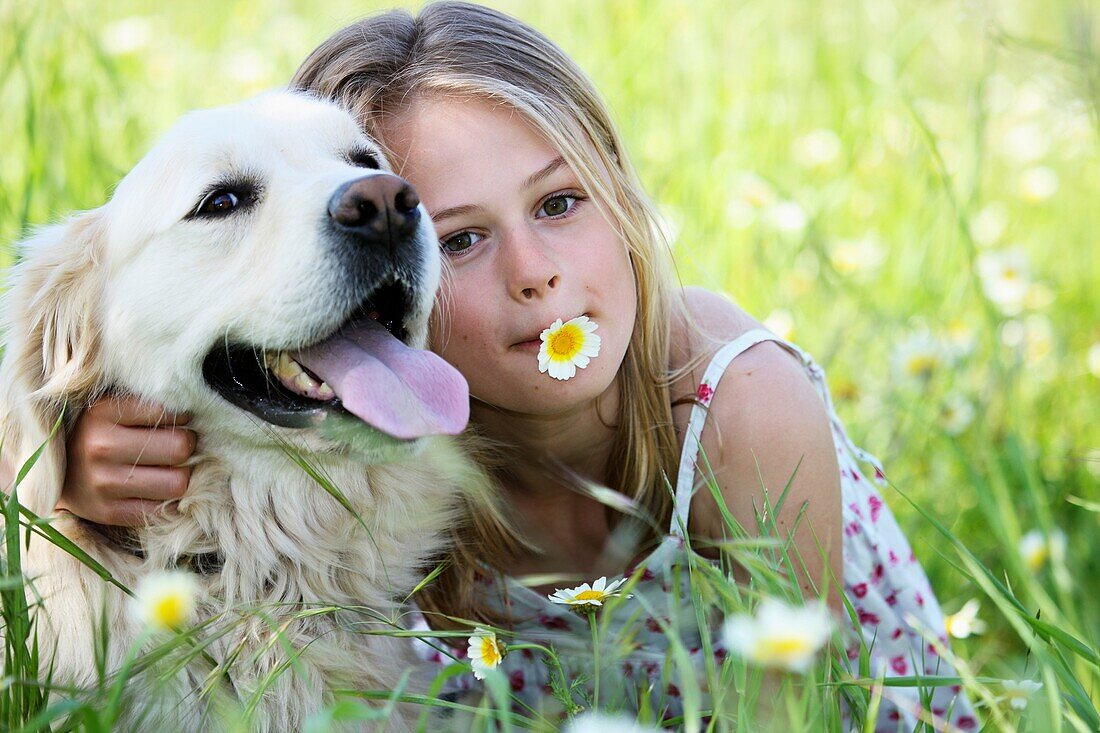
{"x": 366, "y": 367}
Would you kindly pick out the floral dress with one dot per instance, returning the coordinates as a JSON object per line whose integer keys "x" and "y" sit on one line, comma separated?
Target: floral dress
{"x": 882, "y": 580}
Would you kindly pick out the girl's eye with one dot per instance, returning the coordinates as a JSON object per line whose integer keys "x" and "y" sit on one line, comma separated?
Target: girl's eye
{"x": 460, "y": 242}
{"x": 558, "y": 204}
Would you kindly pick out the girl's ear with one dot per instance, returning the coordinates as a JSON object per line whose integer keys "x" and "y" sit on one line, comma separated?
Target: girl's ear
{"x": 51, "y": 347}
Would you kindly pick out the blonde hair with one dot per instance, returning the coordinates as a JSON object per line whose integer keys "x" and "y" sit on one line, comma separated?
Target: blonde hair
{"x": 378, "y": 67}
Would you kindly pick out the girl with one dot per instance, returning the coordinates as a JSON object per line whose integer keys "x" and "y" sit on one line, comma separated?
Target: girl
{"x": 541, "y": 217}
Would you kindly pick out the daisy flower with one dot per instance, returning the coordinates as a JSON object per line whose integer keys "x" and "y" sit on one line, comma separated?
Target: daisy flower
{"x": 566, "y": 346}
{"x": 165, "y": 601}
{"x": 919, "y": 356}
{"x": 779, "y": 635}
{"x": 966, "y": 621}
{"x": 1006, "y": 278}
{"x": 486, "y": 652}
{"x": 588, "y": 595}
{"x": 1036, "y": 548}
{"x": 597, "y": 722}
{"x": 1017, "y": 692}
{"x": 956, "y": 414}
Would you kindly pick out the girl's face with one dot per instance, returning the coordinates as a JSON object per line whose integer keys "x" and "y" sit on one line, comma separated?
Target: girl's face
{"x": 526, "y": 244}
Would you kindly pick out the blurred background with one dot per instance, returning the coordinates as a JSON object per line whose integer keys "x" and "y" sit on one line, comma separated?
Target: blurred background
{"x": 909, "y": 191}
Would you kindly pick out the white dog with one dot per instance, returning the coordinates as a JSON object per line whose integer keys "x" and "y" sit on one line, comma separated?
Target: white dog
{"x": 262, "y": 269}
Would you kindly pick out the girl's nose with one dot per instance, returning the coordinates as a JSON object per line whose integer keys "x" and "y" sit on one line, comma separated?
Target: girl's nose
{"x": 532, "y": 271}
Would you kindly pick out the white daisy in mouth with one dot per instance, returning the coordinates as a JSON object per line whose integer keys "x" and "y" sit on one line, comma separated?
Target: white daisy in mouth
{"x": 588, "y": 595}
{"x": 566, "y": 346}
{"x": 486, "y": 652}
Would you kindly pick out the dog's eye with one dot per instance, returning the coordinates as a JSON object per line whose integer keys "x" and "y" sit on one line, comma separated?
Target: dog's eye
{"x": 222, "y": 201}
{"x": 364, "y": 159}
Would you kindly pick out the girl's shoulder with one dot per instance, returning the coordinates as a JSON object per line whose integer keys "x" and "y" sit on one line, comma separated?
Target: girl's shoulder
{"x": 709, "y": 321}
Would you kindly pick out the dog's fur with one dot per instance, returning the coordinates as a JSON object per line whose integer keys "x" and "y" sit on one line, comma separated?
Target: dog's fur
{"x": 131, "y": 297}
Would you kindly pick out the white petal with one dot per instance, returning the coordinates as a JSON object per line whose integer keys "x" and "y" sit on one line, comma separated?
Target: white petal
{"x": 739, "y": 633}
{"x": 614, "y": 586}
{"x": 562, "y": 370}
{"x": 580, "y": 360}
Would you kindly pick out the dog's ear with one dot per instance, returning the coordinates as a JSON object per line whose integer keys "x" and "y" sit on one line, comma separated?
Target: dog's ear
{"x": 52, "y": 307}
{"x": 51, "y": 350}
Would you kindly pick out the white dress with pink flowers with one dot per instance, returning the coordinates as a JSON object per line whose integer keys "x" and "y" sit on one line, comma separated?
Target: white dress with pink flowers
{"x": 882, "y": 579}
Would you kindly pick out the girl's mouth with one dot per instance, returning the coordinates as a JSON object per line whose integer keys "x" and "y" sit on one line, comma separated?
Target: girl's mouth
{"x": 533, "y": 344}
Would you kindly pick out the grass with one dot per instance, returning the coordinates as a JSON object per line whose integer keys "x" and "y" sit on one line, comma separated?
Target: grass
{"x": 849, "y": 171}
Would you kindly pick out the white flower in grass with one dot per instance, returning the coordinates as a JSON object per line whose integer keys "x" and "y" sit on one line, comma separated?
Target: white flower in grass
{"x": 1036, "y": 548}
{"x": 956, "y": 414}
{"x": 788, "y": 217}
{"x": 165, "y": 601}
{"x": 566, "y": 346}
{"x": 919, "y": 356}
{"x": 1017, "y": 692}
{"x": 1006, "y": 278}
{"x": 588, "y": 595}
{"x": 988, "y": 225}
{"x": 966, "y": 622}
{"x": 126, "y": 36}
{"x": 486, "y": 652}
{"x": 816, "y": 148}
{"x": 1093, "y": 359}
{"x": 781, "y": 323}
{"x": 596, "y": 722}
{"x": 779, "y": 635}
{"x": 1037, "y": 184}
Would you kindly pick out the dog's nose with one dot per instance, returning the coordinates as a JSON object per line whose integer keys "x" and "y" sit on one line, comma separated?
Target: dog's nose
{"x": 376, "y": 206}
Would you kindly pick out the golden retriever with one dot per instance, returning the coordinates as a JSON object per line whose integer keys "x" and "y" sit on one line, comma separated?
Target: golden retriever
{"x": 263, "y": 269}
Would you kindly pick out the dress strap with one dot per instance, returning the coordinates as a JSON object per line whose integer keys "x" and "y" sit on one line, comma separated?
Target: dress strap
{"x": 689, "y": 456}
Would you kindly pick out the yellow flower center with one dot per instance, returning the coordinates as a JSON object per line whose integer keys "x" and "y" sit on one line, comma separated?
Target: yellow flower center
{"x": 782, "y": 648}
{"x": 922, "y": 365}
{"x": 590, "y": 595}
{"x": 565, "y": 343}
{"x": 1036, "y": 558}
{"x": 952, "y": 625}
{"x": 490, "y": 651}
{"x": 170, "y": 611}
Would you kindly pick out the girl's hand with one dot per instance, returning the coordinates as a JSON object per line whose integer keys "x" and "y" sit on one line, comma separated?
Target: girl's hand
{"x": 124, "y": 459}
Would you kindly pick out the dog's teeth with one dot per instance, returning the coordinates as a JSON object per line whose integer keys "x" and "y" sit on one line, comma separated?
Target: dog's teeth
{"x": 305, "y": 383}
{"x": 325, "y": 392}
{"x": 286, "y": 368}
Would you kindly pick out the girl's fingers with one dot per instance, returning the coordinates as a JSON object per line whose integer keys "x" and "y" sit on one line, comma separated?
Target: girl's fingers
{"x": 145, "y": 446}
{"x": 131, "y": 512}
{"x": 146, "y": 483}
{"x": 128, "y": 410}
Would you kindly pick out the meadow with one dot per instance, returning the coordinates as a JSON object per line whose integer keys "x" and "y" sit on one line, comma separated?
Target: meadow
{"x": 906, "y": 190}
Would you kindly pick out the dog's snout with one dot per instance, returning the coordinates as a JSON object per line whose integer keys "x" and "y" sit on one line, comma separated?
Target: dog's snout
{"x": 380, "y": 206}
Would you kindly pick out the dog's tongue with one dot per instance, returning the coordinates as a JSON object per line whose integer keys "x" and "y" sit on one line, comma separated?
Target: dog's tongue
{"x": 406, "y": 393}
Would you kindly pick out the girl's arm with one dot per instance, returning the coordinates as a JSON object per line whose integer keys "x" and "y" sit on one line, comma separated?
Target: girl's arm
{"x": 124, "y": 459}
{"x": 765, "y": 420}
